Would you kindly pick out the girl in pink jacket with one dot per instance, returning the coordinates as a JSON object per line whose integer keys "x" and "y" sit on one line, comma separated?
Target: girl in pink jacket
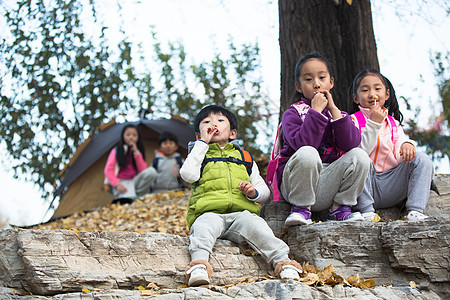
{"x": 126, "y": 170}
{"x": 398, "y": 173}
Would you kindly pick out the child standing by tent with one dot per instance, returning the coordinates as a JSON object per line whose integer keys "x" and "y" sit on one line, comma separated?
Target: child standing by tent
{"x": 313, "y": 171}
{"x": 126, "y": 169}
{"x": 167, "y": 163}
{"x": 399, "y": 172}
{"x": 222, "y": 204}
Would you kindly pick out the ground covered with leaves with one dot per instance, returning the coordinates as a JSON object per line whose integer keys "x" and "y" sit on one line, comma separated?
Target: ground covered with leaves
{"x": 164, "y": 212}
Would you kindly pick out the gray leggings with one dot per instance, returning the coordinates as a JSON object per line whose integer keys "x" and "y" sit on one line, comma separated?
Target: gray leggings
{"x": 308, "y": 182}
{"x": 238, "y": 227}
{"x": 409, "y": 181}
{"x": 139, "y": 185}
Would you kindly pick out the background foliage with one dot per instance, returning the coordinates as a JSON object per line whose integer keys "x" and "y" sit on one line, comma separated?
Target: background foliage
{"x": 436, "y": 139}
{"x": 62, "y": 79}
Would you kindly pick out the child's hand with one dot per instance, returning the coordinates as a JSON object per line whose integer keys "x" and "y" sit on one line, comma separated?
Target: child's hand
{"x": 319, "y": 101}
{"x": 207, "y": 132}
{"x": 134, "y": 148}
{"x": 121, "y": 189}
{"x": 408, "y": 152}
{"x": 377, "y": 114}
{"x": 247, "y": 189}
{"x": 331, "y": 106}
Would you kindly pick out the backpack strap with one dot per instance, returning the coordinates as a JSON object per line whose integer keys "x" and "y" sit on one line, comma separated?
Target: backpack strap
{"x": 394, "y": 129}
{"x": 362, "y": 125}
{"x": 179, "y": 161}
{"x": 361, "y": 120}
{"x": 155, "y": 163}
{"x": 302, "y": 109}
{"x": 247, "y": 160}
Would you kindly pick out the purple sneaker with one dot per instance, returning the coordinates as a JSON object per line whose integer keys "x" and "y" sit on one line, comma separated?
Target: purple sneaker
{"x": 344, "y": 213}
{"x": 299, "y": 216}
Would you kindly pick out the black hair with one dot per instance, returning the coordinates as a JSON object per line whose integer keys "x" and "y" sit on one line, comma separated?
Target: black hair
{"x": 391, "y": 103}
{"x": 214, "y": 109}
{"x": 298, "y": 69}
{"x": 122, "y": 156}
{"x": 167, "y": 136}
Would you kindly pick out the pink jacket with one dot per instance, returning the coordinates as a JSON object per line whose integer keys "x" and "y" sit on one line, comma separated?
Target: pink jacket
{"x": 112, "y": 167}
{"x": 376, "y": 140}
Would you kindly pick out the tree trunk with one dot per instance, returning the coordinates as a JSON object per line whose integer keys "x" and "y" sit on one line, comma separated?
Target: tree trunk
{"x": 341, "y": 32}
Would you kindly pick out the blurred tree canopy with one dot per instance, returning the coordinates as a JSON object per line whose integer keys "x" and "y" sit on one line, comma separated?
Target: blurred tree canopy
{"x": 436, "y": 139}
{"x": 61, "y": 79}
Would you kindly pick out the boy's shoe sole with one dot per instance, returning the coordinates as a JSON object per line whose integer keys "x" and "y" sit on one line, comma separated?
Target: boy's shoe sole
{"x": 198, "y": 281}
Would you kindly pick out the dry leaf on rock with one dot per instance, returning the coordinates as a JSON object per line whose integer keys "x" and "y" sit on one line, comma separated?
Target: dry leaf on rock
{"x": 366, "y": 284}
{"x": 309, "y": 279}
{"x": 152, "y": 286}
{"x": 146, "y": 293}
{"x": 353, "y": 280}
{"x": 250, "y": 252}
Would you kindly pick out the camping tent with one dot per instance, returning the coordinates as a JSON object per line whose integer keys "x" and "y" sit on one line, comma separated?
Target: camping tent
{"x": 82, "y": 184}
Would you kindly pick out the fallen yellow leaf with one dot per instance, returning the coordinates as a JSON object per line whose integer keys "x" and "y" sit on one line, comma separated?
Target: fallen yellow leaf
{"x": 353, "y": 279}
{"x": 366, "y": 284}
{"x": 310, "y": 279}
{"x": 152, "y": 286}
{"x": 146, "y": 293}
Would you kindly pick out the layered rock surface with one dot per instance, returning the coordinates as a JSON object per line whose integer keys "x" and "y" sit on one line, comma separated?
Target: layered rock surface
{"x": 60, "y": 263}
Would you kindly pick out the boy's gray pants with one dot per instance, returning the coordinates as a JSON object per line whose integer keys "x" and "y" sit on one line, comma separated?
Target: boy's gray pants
{"x": 390, "y": 188}
{"x": 238, "y": 227}
{"x": 308, "y": 182}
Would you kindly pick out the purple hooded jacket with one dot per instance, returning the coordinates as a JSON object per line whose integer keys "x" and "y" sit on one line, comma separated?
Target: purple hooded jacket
{"x": 318, "y": 130}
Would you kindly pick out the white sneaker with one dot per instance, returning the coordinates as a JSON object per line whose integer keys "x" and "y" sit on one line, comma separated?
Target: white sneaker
{"x": 415, "y": 216}
{"x": 369, "y": 216}
{"x": 356, "y": 216}
{"x": 296, "y": 219}
{"x": 290, "y": 272}
{"x": 199, "y": 276}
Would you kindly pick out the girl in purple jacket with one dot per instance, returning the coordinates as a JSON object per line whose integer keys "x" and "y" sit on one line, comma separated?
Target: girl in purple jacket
{"x": 320, "y": 166}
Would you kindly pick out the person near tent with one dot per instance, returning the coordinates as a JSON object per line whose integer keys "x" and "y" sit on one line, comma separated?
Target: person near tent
{"x": 226, "y": 187}
{"x": 126, "y": 170}
{"x": 167, "y": 163}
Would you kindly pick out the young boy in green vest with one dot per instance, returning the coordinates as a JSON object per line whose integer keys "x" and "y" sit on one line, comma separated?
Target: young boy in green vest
{"x": 226, "y": 186}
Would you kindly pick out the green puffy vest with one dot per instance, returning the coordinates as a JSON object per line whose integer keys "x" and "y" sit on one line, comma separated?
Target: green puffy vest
{"x": 217, "y": 189}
